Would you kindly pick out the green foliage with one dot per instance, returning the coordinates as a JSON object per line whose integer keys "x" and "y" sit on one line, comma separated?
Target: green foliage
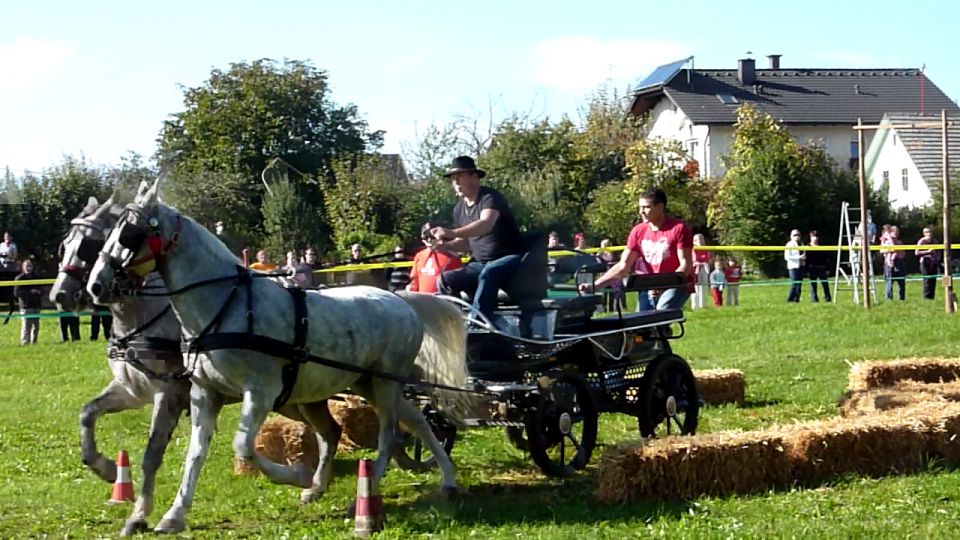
{"x": 773, "y": 185}
{"x": 241, "y": 119}
{"x": 362, "y": 201}
{"x": 613, "y": 211}
{"x": 287, "y": 220}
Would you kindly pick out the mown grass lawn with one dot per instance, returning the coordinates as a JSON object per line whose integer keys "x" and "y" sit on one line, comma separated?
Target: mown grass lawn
{"x": 795, "y": 357}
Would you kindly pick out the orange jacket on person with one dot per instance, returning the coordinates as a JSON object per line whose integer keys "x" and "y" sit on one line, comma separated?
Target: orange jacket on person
{"x": 263, "y": 267}
{"x": 427, "y": 267}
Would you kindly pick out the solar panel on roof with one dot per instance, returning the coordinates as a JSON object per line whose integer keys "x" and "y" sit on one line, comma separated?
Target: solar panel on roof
{"x": 662, "y": 74}
{"x": 727, "y": 99}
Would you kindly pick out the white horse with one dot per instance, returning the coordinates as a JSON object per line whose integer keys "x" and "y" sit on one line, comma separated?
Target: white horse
{"x": 366, "y": 339}
{"x": 146, "y": 332}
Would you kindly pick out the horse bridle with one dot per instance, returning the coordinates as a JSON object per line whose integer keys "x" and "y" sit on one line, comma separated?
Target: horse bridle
{"x": 133, "y": 236}
{"x": 88, "y": 249}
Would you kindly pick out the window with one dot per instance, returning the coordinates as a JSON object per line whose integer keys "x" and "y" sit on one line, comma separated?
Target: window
{"x": 854, "y": 149}
{"x": 692, "y": 146}
{"x": 886, "y": 180}
{"x": 905, "y": 178}
{"x": 727, "y": 99}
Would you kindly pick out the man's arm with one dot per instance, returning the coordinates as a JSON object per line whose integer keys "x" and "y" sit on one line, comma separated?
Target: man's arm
{"x": 685, "y": 254}
{"x": 480, "y": 227}
{"x": 618, "y": 271}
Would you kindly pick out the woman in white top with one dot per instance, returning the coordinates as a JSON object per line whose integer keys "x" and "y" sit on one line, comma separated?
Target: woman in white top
{"x": 794, "y": 258}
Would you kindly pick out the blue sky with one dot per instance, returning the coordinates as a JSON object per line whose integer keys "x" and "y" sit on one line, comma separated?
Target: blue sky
{"x": 97, "y": 78}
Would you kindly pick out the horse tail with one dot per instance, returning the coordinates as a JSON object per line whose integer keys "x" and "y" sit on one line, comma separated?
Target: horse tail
{"x": 443, "y": 353}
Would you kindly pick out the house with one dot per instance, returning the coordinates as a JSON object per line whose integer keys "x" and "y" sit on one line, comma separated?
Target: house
{"x": 698, "y": 107}
{"x": 906, "y": 160}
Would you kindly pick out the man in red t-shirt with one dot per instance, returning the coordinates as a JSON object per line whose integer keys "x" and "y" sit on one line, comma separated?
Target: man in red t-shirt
{"x": 664, "y": 243}
{"x": 428, "y": 264}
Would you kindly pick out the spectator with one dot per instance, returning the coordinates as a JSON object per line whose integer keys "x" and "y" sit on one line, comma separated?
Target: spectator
{"x": 929, "y": 264}
{"x": 817, "y": 270}
{"x": 579, "y": 241}
{"x": 399, "y": 277}
{"x": 98, "y": 321}
{"x": 28, "y": 299}
{"x": 69, "y": 326}
{"x": 701, "y": 272}
{"x": 894, "y": 264}
{"x": 428, "y": 264}
{"x": 8, "y": 253}
{"x": 311, "y": 263}
{"x": 613, "y": 299}
{"x": 732, "y": 273}
{"x": 484, "y": 224}
{"x": 794, "y": 260}
{"x": 664, "y": 243}
{"x": 355, "y": 254}
{"x": 358, "y": 277}
{"x": 718, "y": 280}
{"x": 263, "y": 263}
{"x": 302, "y": 272}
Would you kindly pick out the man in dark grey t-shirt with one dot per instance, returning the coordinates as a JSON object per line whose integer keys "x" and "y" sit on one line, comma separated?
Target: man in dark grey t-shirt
{"x": 484, "y": 224}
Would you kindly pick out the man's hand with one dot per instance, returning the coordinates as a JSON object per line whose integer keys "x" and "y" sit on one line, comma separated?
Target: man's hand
{"x": 585, "y": 288}
{"x": 442, "y": 233}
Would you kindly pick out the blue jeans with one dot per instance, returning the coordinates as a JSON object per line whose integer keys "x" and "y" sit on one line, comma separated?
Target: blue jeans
{"x": 898, "y": 274}
{"x": 481, "y": 281}
{"x": 796, "y": 280}
{"x": 668, "y": 299}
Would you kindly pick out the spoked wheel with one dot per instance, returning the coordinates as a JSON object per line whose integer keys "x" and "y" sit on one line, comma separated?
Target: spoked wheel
{"x": 414, "y": 455}
{"x": 562, "y": 426}
{"x": 669, "y": 402}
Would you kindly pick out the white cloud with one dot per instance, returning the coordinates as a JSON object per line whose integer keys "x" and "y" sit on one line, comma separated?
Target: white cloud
{"x": 27, "y": 61}
{"x": 580, "y": 63}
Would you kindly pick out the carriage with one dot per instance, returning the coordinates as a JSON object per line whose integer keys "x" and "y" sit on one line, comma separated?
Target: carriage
{"x": 549, "y": 367}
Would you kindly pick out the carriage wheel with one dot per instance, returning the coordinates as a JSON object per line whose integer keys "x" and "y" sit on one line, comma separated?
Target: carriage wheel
{"x": 414, "y": 455}
{"x": 669, "y": 403}
{"x": 562, "y": 426}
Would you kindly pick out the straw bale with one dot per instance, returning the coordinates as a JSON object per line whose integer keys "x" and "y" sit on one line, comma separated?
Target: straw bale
{"x": 867, "y": 375}
{"x": 687, "y": 467}
{"x": 361, "y": 428}
{"x": 891, "y": 443}
{"x": 719, "y": 386}
{"x": 905, "y": 393}
{"x": 283, "y": 441}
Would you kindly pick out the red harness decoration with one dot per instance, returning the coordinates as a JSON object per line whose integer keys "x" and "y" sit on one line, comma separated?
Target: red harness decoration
{"x": 158, "y": 251}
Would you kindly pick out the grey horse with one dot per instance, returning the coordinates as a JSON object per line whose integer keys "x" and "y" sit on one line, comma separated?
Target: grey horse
{"x": 388, "y": 338}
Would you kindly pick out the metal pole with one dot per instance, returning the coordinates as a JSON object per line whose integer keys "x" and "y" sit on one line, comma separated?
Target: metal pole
{"x": 947, "y": 271}
{"x": 864, "y": 234}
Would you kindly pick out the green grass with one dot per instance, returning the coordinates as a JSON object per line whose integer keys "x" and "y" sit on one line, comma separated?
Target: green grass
{"x": 795, "y": 357}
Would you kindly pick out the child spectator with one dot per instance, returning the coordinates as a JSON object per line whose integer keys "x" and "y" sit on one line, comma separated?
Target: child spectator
{"x": 28, "y": 298}
{"x": 701, "y": 272}
{"x": 718, "y": 280}
{"x": 428, "y": 264}
{"x": 733, "y": 273}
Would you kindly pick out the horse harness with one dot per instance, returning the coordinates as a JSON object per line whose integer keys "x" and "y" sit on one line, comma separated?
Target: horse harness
{"x": 211, "y": 339}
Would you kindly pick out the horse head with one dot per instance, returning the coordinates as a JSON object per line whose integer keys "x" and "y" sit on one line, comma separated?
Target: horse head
{"x": 79, "y": 249}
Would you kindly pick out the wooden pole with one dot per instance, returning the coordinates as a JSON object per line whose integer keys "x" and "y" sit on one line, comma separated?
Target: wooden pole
{"x": 864, "y": 233}
{"x": 947, "y": 271}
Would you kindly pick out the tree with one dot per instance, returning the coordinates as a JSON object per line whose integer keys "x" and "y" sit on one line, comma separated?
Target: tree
{"x": 362, "y": 203}
{"x": 242, "y": 118}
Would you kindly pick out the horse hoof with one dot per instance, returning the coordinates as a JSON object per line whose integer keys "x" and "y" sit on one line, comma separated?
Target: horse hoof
{"x": 451, "y": 492}
{"x": 133, "y": 527}
{"x": 170, "y": 526}
{"x": 308, "y": 496}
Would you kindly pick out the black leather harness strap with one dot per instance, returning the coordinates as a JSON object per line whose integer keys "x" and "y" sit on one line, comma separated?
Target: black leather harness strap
{"x": 300, "y": 327}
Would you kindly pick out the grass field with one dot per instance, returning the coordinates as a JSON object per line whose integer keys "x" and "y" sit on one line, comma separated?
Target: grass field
{"x": 795, "y": 358}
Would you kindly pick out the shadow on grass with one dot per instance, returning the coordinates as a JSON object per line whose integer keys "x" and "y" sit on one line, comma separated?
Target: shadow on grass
{"x": 760, "y": 403}
{"x": 530, "y": 501}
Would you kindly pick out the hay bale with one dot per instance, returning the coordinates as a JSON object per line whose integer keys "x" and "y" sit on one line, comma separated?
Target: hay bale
{"x": 905, "y": 393}
{"x": 892, "y": 443}
{"x": 687, "y": 467}
{"x": 867, "y": 375}
{"x": 283, "y": 441}
{"x": 361, "y": 428}
{"x": 719, "y": 386}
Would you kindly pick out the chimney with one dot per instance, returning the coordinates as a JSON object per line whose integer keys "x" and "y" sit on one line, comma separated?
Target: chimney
{"x": 856, "y": 89}
{"x": 774, "y": 60}
{"x": 746, "y": 71}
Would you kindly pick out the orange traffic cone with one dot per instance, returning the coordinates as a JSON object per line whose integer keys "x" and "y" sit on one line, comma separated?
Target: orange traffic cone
{"x": 369, "y": 507}
{"x": 123, "y": 486}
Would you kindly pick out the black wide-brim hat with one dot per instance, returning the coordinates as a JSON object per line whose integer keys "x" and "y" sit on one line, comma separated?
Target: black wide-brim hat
{"x": 464, "y": 164}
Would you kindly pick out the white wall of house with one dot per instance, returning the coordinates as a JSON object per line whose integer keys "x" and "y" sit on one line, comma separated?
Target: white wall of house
{"x": 707, "y": 144}
{"x": 891, "y": 161}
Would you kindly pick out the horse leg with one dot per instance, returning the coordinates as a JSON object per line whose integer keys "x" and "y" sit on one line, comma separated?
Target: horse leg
{"x": 205, "y": 405}
{"x": 417, "y": 424}
{"x": 328, "y": 433}
{"x": 113, "y": 398}
{"x": 385, "y": 396}
{"x": 252, "y": 414}
{"x": 168, "y": 404}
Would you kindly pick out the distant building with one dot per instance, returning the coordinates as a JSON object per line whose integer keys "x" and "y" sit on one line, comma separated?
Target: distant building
{"x": 907, "y": 160}
{"x": 697, "y": 107}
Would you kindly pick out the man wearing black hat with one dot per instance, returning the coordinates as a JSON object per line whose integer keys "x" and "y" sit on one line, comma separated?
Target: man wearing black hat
{"x": 482, "y": 223}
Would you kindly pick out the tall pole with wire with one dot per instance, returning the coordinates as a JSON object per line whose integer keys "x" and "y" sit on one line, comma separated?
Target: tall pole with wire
{"x": 864, "y": 233}
{"x": 947, "y": 270}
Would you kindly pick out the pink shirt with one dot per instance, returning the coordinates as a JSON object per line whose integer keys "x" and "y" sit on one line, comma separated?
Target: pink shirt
{"x": 658, "y": 248}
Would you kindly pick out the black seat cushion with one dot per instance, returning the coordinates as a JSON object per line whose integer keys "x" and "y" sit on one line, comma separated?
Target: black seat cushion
{"x": 529, "y": 283}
